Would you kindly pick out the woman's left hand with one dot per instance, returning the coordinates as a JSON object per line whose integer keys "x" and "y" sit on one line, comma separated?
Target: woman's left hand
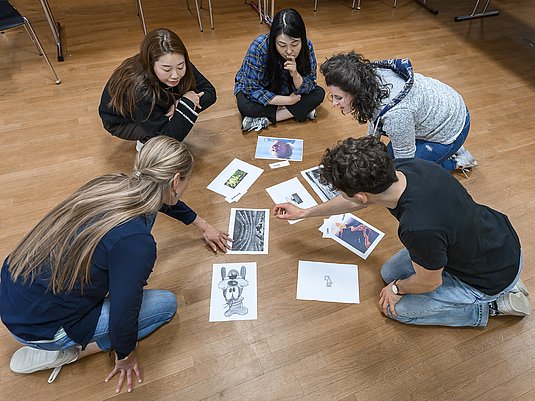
{"x": 216, "y": 239}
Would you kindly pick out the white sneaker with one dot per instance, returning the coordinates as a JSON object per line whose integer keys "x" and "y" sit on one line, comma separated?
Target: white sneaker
{"x": 254, "y": 123}
{"x": 464, "y": 159}
{"x": 312, "y": 114}
{"x": 513, "y": 303}
{"x": 29, "y": 360}
{"x": 139, "y": 146}
{"x": 520, "y": 287}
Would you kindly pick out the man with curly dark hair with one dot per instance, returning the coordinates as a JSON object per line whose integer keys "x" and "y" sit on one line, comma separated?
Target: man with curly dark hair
{"x": 461, "y": 261}
{"x": 422, "y": 117}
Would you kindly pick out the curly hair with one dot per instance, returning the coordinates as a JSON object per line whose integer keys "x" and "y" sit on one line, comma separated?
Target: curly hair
{"x": 357, "y": 76}
{"x": 358, "y": 165}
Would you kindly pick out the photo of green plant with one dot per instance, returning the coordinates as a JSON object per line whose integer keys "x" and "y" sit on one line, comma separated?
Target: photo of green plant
{"x": 235, "y": 178}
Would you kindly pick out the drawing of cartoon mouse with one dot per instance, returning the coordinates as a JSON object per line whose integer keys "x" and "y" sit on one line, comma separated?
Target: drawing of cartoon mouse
{"x": 232, "y": 286}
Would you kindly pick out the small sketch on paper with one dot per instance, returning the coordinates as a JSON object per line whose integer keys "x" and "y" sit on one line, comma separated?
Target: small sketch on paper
{"x": 235, "y": 178}
{"x": 328, "y": 281}
{"x": 232, "y": 285}
{"x": 294, "y": 198}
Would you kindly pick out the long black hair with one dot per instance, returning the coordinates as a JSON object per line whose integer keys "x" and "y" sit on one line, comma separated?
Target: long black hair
{"x": 288, "y": 22}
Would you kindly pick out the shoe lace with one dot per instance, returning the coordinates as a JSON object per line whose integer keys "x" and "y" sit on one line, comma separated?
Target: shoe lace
{"x": 57, "y": 369}
{"x": 257, "y": 124}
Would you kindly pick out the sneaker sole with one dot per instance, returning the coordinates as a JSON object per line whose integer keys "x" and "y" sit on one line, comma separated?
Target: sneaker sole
{"x": 29, "y": 360}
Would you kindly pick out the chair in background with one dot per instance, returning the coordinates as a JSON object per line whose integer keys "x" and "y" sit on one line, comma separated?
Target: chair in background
{"x": 139, "y": 8}
{"x": 199, "y": 12}
{"x": 353, "y": 4}
{"x": 11, "y": 18}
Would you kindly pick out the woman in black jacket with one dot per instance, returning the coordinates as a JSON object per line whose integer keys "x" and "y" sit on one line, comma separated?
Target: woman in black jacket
{"x": 156, "y": 92}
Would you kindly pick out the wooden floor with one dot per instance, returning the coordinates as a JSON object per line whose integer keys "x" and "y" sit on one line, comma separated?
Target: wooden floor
{"x": 52, "y": 142}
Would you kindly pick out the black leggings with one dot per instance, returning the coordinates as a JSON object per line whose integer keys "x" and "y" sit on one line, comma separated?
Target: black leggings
{"x": 300, "y": 110}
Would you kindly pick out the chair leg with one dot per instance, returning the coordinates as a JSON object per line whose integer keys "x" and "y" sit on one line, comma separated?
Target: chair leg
{"x": 211, "y": 14}
{"x": 139, "y": 8}
{"x": 316, "y": 5}
{"x": 37, "y": 43}
{"x": 198, "y": 14}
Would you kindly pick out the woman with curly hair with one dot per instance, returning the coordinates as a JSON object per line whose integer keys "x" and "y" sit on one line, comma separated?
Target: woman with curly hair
{"x": 156, "y": 92}
{"x": 423, "y": 117}
{"x": 277, "y": 79}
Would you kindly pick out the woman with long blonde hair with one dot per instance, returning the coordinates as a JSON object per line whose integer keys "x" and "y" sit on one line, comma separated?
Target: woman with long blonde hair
{"x": 74, "y": 285}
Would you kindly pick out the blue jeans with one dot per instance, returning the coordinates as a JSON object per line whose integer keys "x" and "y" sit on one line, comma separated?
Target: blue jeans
{"x": 437, "y": 152}
{"x": 157, "y": 308}
{"x": 454, "y": 303}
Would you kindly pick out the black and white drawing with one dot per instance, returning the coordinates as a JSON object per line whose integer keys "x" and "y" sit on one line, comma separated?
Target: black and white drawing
{"x": 234, "y": 292}
{"x": 249, "y": 228}
{"x": 325, "y": 192}
{"x": 330, "y": 282}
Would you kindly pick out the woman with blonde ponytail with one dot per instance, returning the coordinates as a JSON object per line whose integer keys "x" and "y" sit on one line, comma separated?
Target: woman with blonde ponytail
{"x": 74, "y": 285}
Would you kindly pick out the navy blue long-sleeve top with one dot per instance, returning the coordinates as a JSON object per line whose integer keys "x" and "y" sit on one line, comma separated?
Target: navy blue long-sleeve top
{"x": 121, "y": 265}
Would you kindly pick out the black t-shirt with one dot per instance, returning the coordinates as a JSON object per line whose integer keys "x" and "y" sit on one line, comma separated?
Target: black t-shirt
{"x": 442, "y": 226}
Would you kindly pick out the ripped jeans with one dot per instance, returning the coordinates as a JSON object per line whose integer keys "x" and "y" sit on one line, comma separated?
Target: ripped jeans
{"x": 438, "y": 152}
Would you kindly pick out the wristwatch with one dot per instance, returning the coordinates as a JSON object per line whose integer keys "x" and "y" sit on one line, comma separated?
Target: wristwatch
{"x": 395, "y": 288}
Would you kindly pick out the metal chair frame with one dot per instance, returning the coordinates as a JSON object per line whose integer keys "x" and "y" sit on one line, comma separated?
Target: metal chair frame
{"x": 37, "y": 43}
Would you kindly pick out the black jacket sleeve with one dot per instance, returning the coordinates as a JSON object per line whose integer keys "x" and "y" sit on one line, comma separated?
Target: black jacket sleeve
{"x": 203, "y": 85}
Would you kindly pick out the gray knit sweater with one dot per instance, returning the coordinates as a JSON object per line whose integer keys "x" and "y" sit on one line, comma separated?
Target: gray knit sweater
{"x": 431, "y": 111}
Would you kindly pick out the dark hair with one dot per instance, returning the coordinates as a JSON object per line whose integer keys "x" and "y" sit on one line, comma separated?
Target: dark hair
{"x": 134, "y": 80}
{"x": 288, "y": 22}
{"x": 358, "y": 165}
{"x": 355, "y": 75}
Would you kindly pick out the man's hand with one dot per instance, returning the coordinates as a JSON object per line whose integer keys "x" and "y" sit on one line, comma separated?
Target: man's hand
{"x": 125, "y": 366}
{"x": 288, "y": 211}
{"x": 388, "y": 299}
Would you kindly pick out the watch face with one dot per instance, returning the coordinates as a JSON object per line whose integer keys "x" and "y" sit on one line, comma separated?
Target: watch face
{"x": 395, "y": 289}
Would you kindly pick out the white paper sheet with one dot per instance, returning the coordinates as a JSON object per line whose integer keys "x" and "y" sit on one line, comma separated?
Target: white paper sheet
{"x": 235, "y": 180}
{"x": 330, "y": 282}
{"x": 234, "y": 292}
{"x": 291, "y": 191}
{"x": 249, "y": 228}
{"x": 283, "y": 163}
{"x": 312, "y": 176}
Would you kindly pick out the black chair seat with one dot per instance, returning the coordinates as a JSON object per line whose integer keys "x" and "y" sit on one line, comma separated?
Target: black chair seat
{"x": 9, "y": 16}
